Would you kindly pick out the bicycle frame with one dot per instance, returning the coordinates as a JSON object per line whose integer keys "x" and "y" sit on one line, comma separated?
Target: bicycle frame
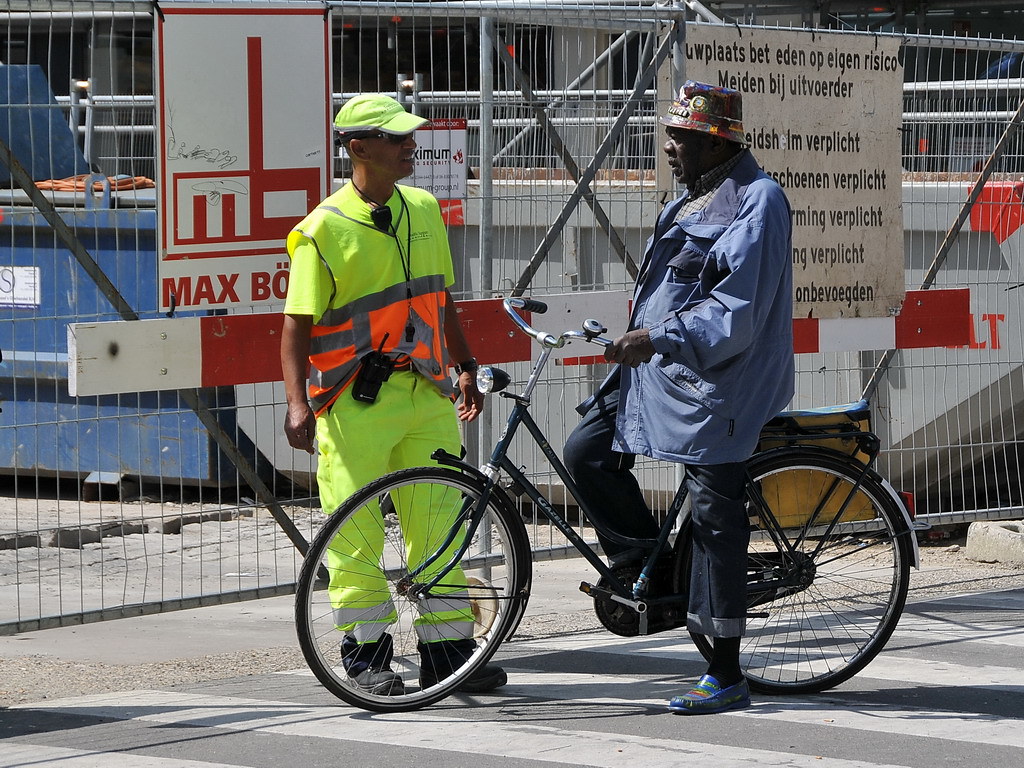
{"x": 499, "y": 461}
{"x": 826, "y": 577}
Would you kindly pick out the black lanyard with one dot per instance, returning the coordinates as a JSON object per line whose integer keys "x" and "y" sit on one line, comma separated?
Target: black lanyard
{"x": 406, "y": 258}
{"x": 380, "y": 213}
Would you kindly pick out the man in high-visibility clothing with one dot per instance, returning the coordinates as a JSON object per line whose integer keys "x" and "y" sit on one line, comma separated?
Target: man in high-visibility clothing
{"x": 370, "y": 272}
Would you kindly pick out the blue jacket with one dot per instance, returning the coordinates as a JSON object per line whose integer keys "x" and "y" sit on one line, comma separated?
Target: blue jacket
{"x": 716, "y": 292}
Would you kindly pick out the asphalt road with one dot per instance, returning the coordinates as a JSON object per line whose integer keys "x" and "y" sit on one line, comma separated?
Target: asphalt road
{"x": 222, "y": 686}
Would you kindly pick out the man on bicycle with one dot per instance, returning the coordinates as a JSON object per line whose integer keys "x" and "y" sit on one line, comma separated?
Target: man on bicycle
{"x": 368, "y": 312}
{"x": 706, "y": 362}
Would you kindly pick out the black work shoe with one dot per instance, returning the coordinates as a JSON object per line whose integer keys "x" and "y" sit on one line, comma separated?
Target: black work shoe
{"x": 487, "y": 678}
{"x": 369, "y": 666}
{"x": 380, "y": 682}
{"x": 439, "y": 660}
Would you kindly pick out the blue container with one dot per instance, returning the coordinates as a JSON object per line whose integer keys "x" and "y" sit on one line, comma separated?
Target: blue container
{"x": 43, "y": 430}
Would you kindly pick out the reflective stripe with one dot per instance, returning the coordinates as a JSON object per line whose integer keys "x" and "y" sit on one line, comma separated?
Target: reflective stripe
{"x": 367, "y": 623}
{"x": 445, "y": 617}
{"x": 368, "y": 632}
{"x": 370, "y": 623}
{"x": 332, "y": 338}
{"x": 420, "y": 286}
{"x": 439, "y": 604}
{"x": 324, "y": 388}
{"x": 449, "y": 630}
{"x": 344, "y": 335}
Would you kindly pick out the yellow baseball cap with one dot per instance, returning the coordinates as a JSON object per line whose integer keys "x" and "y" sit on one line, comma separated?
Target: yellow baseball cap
{"x": 372, "y": 112}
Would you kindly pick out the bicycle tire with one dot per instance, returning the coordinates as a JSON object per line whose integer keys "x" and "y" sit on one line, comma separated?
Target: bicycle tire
{"x": 497, "y": 567}
{"x": 812, "y": 637}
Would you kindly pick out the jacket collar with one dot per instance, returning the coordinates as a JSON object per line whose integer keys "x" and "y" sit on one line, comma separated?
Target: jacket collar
{"x": 709, "y": 222}
{"x": 721, "y": 211}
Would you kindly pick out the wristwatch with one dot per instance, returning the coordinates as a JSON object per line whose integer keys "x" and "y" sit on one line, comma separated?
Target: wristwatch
{"x": 466, "y": 366}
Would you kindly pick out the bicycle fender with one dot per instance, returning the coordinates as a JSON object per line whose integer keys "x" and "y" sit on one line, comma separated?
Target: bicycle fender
{"x": 870, "y": 472}
{"x": 451, "y": 461}
{"x": 442, "y": 457}
{"x": 898, "y": 500}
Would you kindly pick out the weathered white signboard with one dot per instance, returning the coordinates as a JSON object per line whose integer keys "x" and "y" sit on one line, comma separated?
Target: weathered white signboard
{"x": 822, "y": 112}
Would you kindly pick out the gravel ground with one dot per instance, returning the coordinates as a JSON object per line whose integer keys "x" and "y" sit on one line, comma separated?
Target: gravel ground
{"x": 946, "y": 571}
{"x": 28, "y": 679}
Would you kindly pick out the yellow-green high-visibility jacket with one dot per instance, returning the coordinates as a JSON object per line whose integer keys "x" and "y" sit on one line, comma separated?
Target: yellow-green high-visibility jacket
{"x": 371, "y": 290}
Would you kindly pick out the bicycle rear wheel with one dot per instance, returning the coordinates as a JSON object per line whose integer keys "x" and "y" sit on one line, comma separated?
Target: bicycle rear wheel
{"x": 342, "y": 596}
{"x": 823, "y": 599}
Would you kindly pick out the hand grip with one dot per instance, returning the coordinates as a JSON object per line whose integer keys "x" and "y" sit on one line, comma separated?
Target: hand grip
{"x": 530, "y": 305}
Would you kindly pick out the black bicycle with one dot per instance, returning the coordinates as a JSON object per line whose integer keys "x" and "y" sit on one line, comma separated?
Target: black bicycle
{"x": 828, "y": 570}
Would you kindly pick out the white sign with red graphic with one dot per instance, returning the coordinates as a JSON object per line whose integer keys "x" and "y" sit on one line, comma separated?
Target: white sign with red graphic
{"x": 441, "y": 159}
{"x": 441, "y": 165}
{"x": 243, "y": 145}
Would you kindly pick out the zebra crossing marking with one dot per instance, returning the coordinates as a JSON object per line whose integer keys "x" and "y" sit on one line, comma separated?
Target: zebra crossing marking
{"x": 432, "y": 731}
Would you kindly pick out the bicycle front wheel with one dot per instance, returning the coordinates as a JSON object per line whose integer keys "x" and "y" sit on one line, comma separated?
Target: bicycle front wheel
{"x": 364, "y": 600}
{"x": 828, "y": 571}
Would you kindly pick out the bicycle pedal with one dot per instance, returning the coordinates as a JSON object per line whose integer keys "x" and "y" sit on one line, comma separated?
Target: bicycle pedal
{"x": 601, "y": 593}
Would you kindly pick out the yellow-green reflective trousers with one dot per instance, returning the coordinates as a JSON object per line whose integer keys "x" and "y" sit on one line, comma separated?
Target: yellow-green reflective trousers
{"x": 358, "y": 443}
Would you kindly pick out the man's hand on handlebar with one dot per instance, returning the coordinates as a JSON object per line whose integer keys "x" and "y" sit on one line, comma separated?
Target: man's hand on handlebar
{"x": 631, "y": 348}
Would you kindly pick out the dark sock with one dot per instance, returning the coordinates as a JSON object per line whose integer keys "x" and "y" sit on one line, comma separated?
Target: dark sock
{"x": 725, "y": 661}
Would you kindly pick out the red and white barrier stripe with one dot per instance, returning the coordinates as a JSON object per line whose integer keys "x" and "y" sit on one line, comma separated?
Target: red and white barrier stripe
{"x": 224, "y": 350}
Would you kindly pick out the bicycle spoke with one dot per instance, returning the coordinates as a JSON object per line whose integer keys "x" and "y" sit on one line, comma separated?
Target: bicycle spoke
{"x": 375, "y": 590}
{"x": 825, "y": 599}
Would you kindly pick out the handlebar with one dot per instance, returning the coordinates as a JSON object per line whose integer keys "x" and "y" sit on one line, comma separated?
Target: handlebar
{"x": 591, "y": 332}
{"x": 527, "y": 305}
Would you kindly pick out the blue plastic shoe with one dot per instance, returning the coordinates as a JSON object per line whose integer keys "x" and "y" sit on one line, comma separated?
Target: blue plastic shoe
{"x": 708, "y": 698}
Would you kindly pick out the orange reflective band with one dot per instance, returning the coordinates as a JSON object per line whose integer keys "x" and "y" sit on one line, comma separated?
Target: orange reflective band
{"x": 409, "y": 326}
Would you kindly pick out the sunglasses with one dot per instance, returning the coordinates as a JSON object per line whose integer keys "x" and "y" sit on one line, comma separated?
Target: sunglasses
{"x": 399, "y": 139}
{"x": 340, "y": 138}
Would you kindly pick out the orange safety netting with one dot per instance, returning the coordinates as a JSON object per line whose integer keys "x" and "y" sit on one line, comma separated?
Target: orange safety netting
{"x": 77, "y": 183}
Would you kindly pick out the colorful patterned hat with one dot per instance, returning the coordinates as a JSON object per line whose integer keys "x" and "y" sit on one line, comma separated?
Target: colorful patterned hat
{"x": 707, "y": 108}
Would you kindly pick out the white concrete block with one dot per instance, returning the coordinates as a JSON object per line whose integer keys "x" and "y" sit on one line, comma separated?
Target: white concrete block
{"x": 996, "y": 542}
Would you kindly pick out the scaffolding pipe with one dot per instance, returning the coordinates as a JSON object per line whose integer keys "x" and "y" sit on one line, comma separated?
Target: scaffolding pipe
{"x": 633, "y": 16}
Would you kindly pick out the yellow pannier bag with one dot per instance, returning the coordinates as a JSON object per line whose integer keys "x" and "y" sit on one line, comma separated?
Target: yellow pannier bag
{"x": 793, "y": 495}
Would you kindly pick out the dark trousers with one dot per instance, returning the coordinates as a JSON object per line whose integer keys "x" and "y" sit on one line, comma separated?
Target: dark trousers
{"x": 721, "y": 530}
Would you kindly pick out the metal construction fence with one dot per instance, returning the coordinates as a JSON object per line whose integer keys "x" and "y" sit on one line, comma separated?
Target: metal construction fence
{"x": 115, "y": 505}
